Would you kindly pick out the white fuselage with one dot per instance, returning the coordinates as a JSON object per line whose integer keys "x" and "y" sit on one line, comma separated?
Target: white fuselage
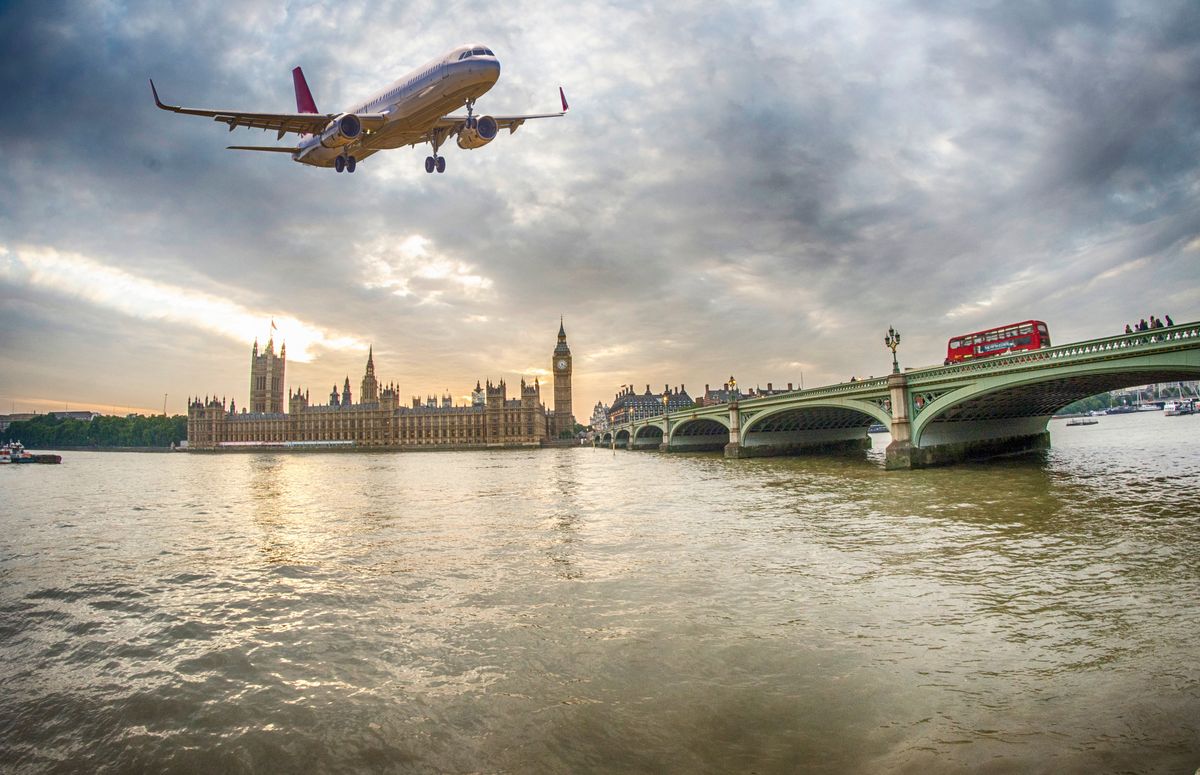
{"x": 413, "y": 104}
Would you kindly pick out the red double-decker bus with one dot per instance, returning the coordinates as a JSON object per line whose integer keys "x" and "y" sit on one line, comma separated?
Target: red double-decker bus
{"x": 1026, "y": 335}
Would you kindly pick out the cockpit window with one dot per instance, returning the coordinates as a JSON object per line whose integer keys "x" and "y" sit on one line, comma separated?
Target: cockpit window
{"x": 480, "y": 51}
{"x": 488, "y": 51}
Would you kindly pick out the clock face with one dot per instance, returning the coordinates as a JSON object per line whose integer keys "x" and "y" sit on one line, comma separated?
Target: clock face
{"x": 562, "y": 365}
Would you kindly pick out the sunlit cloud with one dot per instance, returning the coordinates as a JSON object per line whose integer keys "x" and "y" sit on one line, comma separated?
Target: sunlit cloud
{"x": 1121, "y": 269}
{"x": 410, "y": 267}
{"x": 83, "y": 278}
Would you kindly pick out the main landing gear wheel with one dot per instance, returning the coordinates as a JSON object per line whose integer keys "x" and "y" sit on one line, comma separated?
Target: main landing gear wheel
{"x": 351, "y": 163}
{"x": 339, "y": 163}
{"x": 441, "y": 164}
{"x": 429, "y": 164}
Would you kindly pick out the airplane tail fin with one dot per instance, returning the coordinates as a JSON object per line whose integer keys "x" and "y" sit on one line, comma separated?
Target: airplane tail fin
{"x": 304, "y": 100}
{"x": 562, "y": 97}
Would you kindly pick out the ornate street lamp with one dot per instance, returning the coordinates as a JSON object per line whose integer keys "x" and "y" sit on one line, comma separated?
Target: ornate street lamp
{"x": 666, "y": 396}
{"x": 733, "y": 394}
{"x": 892, "y": 341}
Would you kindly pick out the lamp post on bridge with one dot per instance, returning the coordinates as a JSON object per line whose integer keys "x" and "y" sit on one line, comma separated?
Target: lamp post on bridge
{"x": 666, "y": 399}
{"x": 734, "y": 447}
{"x": 892, "y": 341}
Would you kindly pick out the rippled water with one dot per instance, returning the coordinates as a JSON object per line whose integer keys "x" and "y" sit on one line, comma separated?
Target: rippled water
{"x": 581, "y": 610}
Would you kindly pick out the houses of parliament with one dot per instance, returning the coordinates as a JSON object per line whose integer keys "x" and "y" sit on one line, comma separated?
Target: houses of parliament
{"x": 377, "y": 419}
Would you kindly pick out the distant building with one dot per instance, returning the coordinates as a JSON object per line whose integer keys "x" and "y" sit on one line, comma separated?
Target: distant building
{"x": 630, "y": 405}
{"x": 599, "y": 421}
{"x": 8, "y": 419}
{"x": 378, "y": 420}
{"x": 724, "y": 394}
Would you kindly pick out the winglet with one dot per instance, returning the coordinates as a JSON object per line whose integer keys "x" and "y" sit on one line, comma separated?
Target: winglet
{"x": 304, "y": 99}
{"x": 562, "y": 97}
{"x": 157, "y": 101}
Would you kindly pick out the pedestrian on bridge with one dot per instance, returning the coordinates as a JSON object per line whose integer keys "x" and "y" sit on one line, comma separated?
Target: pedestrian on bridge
{"x": 1169, "y": 321}
{"x": 1128, "y": 330}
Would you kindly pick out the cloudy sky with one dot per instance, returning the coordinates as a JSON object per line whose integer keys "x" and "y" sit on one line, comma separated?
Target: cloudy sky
{"x": 747, "y": 188}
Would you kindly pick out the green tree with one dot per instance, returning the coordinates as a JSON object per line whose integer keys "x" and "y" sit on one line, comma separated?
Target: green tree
{"x": 108, "y": 431}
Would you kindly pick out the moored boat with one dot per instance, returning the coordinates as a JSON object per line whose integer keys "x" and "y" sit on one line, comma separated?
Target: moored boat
{"x": 15, "y": 452}
{"x": 1083, "y": 421}
{"x": 1179, "y": 408}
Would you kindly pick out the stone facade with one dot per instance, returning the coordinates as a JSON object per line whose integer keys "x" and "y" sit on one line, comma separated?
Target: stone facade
{"x": 377, "y": 421}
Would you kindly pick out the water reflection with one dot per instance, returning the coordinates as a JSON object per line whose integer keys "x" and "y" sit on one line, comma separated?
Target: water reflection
{"x": 575, "y": 610}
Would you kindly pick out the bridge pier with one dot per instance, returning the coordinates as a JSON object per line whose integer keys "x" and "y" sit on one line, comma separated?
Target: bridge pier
{"x": 910, "y": 457}
{"x": 734, "y": 448}
{"x": 900, "y": 452}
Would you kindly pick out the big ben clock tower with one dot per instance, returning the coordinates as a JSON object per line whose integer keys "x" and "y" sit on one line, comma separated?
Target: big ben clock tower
{"x": 560, "y": 367}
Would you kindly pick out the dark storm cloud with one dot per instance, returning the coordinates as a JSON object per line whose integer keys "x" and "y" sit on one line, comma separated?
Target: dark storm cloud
{"x": 756, "y": 188}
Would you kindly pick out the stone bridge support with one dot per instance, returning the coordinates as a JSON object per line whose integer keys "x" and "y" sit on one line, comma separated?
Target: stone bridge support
{"x": 734, "y": 448}
{"x": 901, "y": 452}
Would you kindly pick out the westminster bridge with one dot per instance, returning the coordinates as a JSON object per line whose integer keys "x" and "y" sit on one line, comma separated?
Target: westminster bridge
{"x": 945, "y": 414}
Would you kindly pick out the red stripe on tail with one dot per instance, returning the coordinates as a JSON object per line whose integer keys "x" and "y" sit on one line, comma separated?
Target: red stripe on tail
{"x": 304, "y": 100}
{"x": 561, "y": 96}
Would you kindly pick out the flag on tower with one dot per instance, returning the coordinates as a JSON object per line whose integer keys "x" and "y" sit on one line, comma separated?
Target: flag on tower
{"x": 273, "y": 327}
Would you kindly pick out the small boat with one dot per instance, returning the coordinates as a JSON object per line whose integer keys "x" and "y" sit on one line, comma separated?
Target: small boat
{"x": 15, "y": 452}
{"x": 1123, "y": 409}
{"x": 877, "y": 427}
{"x": 1179, "y": 408}
{"x": 1083, "y": 421}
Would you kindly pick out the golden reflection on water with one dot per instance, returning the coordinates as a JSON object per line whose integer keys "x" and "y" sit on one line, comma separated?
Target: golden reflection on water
{"x": 579, "y": 610}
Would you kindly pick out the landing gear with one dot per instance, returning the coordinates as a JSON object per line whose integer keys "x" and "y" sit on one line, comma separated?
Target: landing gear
{"x": 346, "y": 163}
{"x": 435, "y": 162}
{"x": 351, "y": 163}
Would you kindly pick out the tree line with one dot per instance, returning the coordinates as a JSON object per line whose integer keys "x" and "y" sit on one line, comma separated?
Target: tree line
{"x": 48, "y": 431}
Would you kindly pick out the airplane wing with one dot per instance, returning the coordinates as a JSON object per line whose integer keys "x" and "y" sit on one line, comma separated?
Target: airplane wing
{"x": 511, "y": 123}
{"x": 300, "y": 123}
{"x": 275, "y": 149}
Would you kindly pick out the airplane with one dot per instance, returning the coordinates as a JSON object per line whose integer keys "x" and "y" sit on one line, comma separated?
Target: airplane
{"x": 411, "y": 111}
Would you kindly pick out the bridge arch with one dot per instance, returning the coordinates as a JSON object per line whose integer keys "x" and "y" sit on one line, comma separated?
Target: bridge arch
{"x": 1007, "y": 405}
{"x": 830, "y": 424}
{"x": 699, "y": 434}
{"x": 648, "y": 436}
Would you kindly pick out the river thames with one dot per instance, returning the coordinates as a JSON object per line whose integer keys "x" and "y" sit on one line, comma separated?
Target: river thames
{"x": 580, "y": 610}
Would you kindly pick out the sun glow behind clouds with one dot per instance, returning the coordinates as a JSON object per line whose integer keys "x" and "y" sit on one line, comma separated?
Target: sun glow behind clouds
{"x": 80, "y": 277}
{"x": 409, "y": 266}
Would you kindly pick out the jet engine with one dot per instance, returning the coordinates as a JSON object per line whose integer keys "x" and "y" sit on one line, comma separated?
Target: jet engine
{"x": 477, "y": 132}
{"x": 342, "y": 130}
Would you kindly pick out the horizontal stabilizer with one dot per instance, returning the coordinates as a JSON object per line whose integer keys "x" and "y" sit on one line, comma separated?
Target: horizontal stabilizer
{"x": 275, "y": 148}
